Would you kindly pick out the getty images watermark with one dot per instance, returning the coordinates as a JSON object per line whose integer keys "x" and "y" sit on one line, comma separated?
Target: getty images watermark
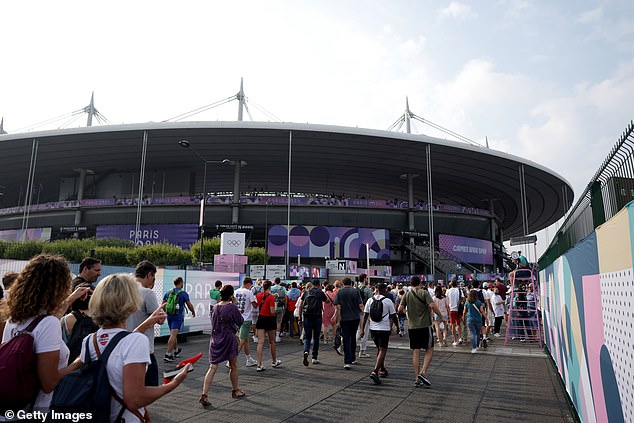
{"x": 46, "y": 416}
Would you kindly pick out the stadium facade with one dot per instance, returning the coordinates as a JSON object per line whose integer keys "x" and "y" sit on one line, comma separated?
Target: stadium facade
{"x": 345, "y": 192}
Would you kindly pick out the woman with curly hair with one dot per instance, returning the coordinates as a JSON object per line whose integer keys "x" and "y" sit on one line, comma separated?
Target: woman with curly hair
{"x": 42, "y": 292}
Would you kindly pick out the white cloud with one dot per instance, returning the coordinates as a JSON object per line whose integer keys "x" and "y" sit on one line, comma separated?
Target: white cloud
{"x": 458, "y": 10}
{"x": 412, "y": 48}
{"x": 590, "y": 16}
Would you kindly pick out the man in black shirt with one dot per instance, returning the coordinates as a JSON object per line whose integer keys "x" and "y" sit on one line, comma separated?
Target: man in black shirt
{"x": 348, "y": 305}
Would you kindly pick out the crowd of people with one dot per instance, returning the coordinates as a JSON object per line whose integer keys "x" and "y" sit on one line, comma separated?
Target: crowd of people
{"x": 65, "y": 316}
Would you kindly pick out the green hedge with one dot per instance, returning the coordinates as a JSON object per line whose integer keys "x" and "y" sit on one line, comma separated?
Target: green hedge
{"x": 118, "y": 252}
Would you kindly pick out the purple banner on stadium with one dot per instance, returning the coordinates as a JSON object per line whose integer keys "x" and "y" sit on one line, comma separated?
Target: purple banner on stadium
{"x": 469, "y": 250}
{"x": 181, "y": 235}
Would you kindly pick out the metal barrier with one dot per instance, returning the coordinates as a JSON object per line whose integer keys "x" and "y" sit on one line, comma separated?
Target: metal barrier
{"x": 611, "y": 188}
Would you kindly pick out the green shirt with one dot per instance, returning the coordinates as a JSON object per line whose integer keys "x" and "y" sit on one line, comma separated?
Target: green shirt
{"x": 417, "y": 301}
{"x": 214, "y": 294}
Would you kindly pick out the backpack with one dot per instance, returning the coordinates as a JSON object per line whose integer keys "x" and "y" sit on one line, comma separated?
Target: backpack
{"x": 365, "y": 293}
{"x": 376, "y": 309}
{"x": 311, "y": 305}
{"x": 172, "y": 308}
{"x": 88, "y": 390}
{"x": 480, "y": 295}
{"x": 83, "y": 327}
{"x": 18, "y": 369}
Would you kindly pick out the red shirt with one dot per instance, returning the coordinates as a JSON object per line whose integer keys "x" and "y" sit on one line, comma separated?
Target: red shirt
{"x": 269, "y": 301}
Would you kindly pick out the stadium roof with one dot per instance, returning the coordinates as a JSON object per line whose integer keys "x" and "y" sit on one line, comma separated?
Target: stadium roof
{"x": 324, "y": 159}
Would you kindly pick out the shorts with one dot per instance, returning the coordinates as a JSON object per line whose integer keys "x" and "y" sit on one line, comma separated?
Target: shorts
{"x": 421, "y": 338}
{"x": 245, "y": 329}
{"x": 381, "y": 338}
{"x": 175, "y": 322}
{"x": 266, "y": 323}
{"x": 454, "y": 317}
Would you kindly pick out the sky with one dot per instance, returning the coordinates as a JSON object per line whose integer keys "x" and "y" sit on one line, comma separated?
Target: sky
{"x": 551, "y": 81}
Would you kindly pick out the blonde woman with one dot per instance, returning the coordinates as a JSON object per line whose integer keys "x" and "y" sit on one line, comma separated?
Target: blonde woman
{"x": 114, "y": 300}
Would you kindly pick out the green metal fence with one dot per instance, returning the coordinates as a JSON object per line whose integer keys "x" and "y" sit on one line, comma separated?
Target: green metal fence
{"x": 611, "y": 188}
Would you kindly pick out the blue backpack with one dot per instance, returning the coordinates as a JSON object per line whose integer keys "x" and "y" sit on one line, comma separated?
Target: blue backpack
{"x": 87, "y": 390}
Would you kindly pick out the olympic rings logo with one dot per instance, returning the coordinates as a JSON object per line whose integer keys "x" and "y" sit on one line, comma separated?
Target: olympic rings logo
{"x": 234, "y": 243}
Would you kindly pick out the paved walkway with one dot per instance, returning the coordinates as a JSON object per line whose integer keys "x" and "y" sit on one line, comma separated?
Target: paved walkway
{"x": 506, "y": 383}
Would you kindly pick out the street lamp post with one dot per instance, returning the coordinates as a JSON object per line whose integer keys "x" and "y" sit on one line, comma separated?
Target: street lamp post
{"x": 201, "y": 221}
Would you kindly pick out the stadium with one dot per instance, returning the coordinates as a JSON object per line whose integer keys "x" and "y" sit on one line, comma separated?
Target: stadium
{"x": 406, "y": 201}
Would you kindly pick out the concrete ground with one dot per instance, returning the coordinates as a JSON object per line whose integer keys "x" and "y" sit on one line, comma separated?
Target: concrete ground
{"x": 502, "y": 384}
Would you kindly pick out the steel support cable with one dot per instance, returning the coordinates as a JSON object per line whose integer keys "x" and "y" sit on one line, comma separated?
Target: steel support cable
{"x": 398, "y": 121}
{"x": 264, "y": 110}
{"x": 46, "y": 122}
{"x": 248, "y": 111}
{"x": 201, "y": 109}
{"x": 445, "y": 130}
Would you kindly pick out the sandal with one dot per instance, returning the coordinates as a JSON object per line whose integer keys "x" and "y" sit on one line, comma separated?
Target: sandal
{"x": 237, "y": 393}
{"x": 204, "y": 401}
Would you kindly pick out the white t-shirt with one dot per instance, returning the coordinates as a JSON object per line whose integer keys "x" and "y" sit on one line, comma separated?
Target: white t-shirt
{"x": 454, "y": 298}
{"x": 245, "y": 299}
{"x": 442, "y": 306}
{"x": 388, "y": 311}
{"x": 47, "y": 337}
{"x": 488, "y": 294}
{"x": 498, "y": 309}
{"x": 134, "y": 348}
{"x": 149, "y": 304}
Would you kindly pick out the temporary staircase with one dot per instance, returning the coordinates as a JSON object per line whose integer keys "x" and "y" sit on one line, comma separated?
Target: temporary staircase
{"x": 523, "y": 322}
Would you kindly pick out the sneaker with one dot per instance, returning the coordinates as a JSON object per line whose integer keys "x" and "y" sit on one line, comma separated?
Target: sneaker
{"x": 169, "y": 358}
{"x": 375, "y": 378}
{"x": 178, "y": 352}
{"x": 497, "y": 335}
{"x": 418, "y": 384}
{"x": 423, "y": 379}
{"x": 276, "y": 363}
{"x": 278, "y": 339}
{"x": 354, "y": 362}
{"x": 251, "y": 362}
{"x": 363, "y": 354}
{"x": 347, "y": 366}
{"x": 383, "y": 373}
{"x": 337, "y": 350}
{"x": 306, "y": 359}
{"x": 315, "y": 361}
{"x": 455, "y": 344}
{"x": 474, "y": 350}
{"x": 260, "y": 369}
{"x": 227, "y": 364}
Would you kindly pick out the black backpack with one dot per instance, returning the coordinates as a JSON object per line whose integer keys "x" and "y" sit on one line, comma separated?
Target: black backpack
{"x": 376, "y": 309}
{"x": 88, "y": 390}
{"x": 311, "y": 305}
{"x": 83, "y": 327}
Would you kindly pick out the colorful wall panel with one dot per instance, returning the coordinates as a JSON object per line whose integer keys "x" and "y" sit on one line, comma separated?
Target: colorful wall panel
{"x": 329, "y": 241}
{"x": 588, "y": 309}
